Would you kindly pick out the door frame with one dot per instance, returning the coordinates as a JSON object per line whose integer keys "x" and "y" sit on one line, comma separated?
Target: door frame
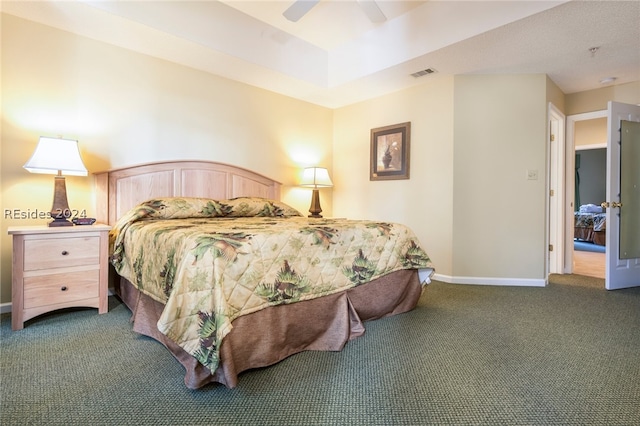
{"x": 570, "y": 182}
{"x": 554, "y": 260}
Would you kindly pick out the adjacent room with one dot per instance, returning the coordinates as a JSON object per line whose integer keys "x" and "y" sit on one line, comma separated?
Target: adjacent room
{"x": 590, "y": 193}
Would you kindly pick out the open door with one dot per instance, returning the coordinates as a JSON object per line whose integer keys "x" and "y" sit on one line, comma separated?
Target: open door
{"x": 622, "y": 267}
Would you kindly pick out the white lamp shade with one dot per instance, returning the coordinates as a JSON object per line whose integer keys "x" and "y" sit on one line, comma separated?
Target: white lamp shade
{"x": 53, "y": 155}
{"x": 316, "y": 177}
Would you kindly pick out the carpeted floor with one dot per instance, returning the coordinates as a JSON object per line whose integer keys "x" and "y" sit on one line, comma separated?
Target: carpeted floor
{"x": 467, "y": 355}
{"x": 577, "y": 280}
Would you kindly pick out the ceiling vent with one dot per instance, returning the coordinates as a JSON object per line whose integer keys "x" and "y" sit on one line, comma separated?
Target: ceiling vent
{"x": 423, "y": 72}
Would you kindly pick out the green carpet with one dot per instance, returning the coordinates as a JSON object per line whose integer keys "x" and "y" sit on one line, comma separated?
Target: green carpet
{"x": 577, "y": 280}
{"x": 468, "y": 355}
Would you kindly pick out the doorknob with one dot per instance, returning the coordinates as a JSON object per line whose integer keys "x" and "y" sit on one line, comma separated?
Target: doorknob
{"x": 613, "y": 204}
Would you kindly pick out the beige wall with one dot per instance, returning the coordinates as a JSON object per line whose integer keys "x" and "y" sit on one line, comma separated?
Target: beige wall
{"x": 555, "y": 95}
{"x": 590, "y": 132}
{"x": 594, "y": 131}
{"x": 499, "y": 214}
{"x": 126, "y": 108}
{"x": 596, "y": 100}
{"x": 423, "y": 202}
{"x": 469, "y": 200}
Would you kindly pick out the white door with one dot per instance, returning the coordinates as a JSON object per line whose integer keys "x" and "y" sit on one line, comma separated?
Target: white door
{"x": 619, "y": 273}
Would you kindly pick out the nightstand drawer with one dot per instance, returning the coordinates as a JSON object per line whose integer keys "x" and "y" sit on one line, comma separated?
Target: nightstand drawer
{"x": 49, "y": 253}
{"x": 59, "y": 288}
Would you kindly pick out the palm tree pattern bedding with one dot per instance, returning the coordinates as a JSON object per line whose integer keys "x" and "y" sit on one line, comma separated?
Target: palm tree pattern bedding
{"x": 211, "y": 261}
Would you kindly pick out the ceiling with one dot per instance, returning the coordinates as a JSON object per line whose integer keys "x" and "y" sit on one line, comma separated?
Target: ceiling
{"x": 334, "y": 56}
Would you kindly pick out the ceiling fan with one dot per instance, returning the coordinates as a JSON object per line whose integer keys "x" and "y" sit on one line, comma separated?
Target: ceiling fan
{"x": 299, "y": 8}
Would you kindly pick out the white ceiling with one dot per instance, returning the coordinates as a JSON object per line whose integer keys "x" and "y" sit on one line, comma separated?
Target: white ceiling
{"x": 335, "y": 56}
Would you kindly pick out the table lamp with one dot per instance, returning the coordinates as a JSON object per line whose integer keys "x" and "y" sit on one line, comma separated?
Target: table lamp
{"x": 57, "y": 156}
{"x": 316, "y": 177}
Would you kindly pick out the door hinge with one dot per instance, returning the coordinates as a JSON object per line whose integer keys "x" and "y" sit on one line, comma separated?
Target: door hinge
{"x": 550, "y": 247}
{"x": 553, "y": 138}
{"x": 551, "y": 193}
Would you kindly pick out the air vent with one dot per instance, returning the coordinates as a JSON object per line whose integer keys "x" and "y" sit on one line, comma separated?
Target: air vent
{"x": 423, "y": 72}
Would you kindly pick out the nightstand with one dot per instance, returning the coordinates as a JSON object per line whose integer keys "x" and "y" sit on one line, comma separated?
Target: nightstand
{"x": 58, "y": 267}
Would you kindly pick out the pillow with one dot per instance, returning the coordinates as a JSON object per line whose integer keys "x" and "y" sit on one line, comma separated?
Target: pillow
{"x": 255, "y": 206}
{"x": 185, "y": 207}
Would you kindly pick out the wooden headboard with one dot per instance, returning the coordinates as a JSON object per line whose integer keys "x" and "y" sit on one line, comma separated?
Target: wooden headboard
{"x": 119, "y": 190}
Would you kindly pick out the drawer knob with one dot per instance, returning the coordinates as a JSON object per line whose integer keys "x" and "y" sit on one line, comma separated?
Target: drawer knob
{"x": 63, "y": 288}
{"x": 64, "y": 252}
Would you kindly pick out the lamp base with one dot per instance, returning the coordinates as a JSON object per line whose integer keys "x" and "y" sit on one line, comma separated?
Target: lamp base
{"x": 315, "y": 208}
{"x": 60, "y": 210}
{"x": 60, "y": 222}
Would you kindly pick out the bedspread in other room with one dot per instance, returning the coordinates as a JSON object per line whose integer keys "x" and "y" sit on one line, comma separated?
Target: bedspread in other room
{"x": 211, "y": 261}
{"x": 590, "y": 227}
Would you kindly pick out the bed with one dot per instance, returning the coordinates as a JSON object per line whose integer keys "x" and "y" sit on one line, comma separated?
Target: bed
{"x": 590, "y": 224}
{"x": 214, "y": 266}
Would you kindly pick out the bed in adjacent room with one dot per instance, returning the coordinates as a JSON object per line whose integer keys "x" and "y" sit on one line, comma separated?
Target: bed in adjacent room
{"x": 590, "y": 224}
{"x": 213, "y": 265}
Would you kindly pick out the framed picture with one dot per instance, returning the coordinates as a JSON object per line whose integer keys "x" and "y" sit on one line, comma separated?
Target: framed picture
{"x": 390, "y": 152}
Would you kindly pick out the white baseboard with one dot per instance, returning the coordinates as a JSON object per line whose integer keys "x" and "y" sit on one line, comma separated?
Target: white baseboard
{"x": 518, "y": 282}
{"x": 5, "y": 308}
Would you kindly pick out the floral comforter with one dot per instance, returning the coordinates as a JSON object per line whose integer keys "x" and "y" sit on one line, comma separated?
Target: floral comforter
{"x": 211, "y": 261}
{"x": 597, "y": 221}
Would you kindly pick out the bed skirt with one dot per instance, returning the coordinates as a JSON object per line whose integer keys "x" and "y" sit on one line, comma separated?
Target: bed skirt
{"x": 268, "y": 336}
{"x": 588, "y": 234}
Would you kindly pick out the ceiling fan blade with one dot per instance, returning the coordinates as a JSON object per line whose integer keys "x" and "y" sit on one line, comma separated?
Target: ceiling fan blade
{"x": 372, "y": 10}
{"x": 298, "y": 9}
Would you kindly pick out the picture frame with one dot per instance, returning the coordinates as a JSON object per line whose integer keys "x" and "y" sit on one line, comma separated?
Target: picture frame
{"x": 390, "y": 154}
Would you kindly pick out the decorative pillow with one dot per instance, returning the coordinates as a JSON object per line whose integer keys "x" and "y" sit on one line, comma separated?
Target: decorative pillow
{"x": 185, "y": 207}
{"x": 255, "y": 206}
